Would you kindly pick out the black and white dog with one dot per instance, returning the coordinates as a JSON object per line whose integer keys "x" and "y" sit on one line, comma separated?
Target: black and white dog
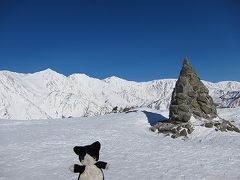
{"x": 91, "y": 168}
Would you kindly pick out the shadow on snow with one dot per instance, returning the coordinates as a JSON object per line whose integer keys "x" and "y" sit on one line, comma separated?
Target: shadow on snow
{"x": 153, "y": 118}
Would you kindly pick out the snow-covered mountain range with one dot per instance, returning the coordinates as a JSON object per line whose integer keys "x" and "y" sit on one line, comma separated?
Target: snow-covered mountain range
{"x": 48, "y": 94}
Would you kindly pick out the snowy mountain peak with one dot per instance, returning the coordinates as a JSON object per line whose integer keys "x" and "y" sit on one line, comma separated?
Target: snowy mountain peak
{"x": 120, "y": 83}
{"x": 114, "y": 79}
{"x": 48, "y": 94}
{"x": 81, "y": 77}
{"x": 47, "y": 72}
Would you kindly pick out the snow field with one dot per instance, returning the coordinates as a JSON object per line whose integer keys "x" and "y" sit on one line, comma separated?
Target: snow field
{"x": 42, "y": 149}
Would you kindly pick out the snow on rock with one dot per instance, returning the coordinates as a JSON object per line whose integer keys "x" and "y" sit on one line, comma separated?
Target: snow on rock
{"x": 48, "y": 94}
{"x": 42, "y": 149}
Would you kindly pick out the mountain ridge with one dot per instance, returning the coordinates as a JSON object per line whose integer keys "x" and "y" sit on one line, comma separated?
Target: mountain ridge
{"x": 48, "y": 94}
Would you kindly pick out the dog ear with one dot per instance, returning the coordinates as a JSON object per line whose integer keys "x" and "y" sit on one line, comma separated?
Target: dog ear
{"x": 96, "y": 145}
{"x": 94, "y": 149}
{"x": 79, "y": 150}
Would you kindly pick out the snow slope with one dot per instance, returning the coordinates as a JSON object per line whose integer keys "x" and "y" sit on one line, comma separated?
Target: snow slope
{"x": 42, "y": 149}
{"x": 48, "y": 94}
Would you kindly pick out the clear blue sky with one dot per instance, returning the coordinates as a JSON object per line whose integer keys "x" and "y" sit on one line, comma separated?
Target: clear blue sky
{"x": 136, "y": 40}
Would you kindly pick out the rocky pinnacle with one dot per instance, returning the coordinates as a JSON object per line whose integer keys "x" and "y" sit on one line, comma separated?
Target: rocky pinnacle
{"x": 190, "y": 97}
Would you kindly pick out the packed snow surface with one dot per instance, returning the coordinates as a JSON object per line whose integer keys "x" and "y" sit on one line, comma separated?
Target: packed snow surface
{"x": 42, "y": 149}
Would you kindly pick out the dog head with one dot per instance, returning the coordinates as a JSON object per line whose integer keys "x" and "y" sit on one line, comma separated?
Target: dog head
{"x": 89, "y": 154}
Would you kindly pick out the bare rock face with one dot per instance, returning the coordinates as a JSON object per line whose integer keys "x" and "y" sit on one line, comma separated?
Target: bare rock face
{"x": 190, "y": 97}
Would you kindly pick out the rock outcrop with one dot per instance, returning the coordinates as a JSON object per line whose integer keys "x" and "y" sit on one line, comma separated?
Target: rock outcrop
{"x": 190, "y": 97}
